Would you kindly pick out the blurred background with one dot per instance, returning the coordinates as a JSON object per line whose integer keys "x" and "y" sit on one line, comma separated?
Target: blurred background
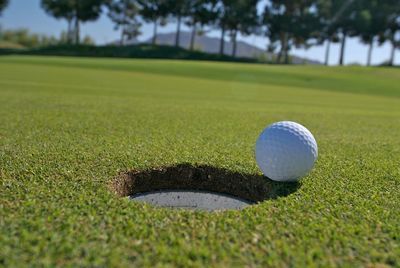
{"x": 332, "y": 32}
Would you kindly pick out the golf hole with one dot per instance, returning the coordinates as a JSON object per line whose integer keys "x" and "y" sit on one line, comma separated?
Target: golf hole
{"x": 198, "y": 187}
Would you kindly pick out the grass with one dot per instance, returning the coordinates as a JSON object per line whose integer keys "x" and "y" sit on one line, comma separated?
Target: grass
{"x": 69, "y": 126}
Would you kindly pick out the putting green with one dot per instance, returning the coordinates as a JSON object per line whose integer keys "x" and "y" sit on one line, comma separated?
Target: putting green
{"x": 68, "y": 126}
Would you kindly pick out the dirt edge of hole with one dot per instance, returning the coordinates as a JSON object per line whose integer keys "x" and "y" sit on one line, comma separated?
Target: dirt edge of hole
{"x": 252, "y": 187}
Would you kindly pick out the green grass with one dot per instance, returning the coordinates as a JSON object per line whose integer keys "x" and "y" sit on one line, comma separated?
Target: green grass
{"x": 69, "y": 125}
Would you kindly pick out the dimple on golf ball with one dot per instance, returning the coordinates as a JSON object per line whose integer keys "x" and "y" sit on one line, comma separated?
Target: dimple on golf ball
{"x": 286, "y": 151}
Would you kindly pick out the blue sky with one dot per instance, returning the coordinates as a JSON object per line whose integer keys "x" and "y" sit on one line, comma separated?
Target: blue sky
{"x": 28, "y": 14}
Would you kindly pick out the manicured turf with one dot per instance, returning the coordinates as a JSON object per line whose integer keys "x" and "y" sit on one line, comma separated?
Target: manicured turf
{"x": 69, "y": 126}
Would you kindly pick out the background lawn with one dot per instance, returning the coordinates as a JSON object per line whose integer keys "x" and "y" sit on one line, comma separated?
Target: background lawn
{"x": 69, "y": 125}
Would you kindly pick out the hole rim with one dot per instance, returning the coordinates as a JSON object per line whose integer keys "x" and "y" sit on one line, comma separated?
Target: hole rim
{"x": 252, "y": 188}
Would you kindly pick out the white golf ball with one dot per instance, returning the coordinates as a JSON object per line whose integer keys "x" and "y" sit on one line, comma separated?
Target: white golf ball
{"x": 286, "y": 151}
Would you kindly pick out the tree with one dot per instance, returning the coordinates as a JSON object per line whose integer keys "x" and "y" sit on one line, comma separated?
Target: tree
{"x": 87, "y": 40}
{"x": 74, "y": 10}
{"x": 370, "y": 23}
{"x": 124, "y": 13}
{"x": 27, "y": 39}
{"x": 3, "y": 5}
{"x": 222, "y": 21}
{"x": 88, "y": 10}
{"x": 154, "y": 11}
{"x": 337, "y": 19}
{"x": 178, "y": 9}
{"x": 393, "y": 30}
{"x": 200, "y": 13}
{"x": 61, "y": 10}
{"x": 367, "y": 32}
{"x": 241, "y": 18}
{"x": 346, "y": 24}
{"x": 378, "y": 20}
{"x": 328, "y": 16}
{"x": 391, "y": 9}
{"x": 290, "y": 23}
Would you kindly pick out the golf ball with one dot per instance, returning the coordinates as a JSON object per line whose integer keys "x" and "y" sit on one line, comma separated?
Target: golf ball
{"x": 286, "y": 151}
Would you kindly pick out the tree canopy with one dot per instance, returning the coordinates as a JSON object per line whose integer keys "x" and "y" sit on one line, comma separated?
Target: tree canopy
{"x": 125, "y": 15}
{"x": 290, "y": 23}
{"x": 199, "y": 14}
{"x": 74, "y": 10}
{"x": 3, "y": 4}
{"x": 241, "y": 17}
{"x": 154, "y": 11}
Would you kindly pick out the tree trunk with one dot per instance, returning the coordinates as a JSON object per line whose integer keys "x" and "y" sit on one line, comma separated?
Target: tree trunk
{"x": 154, "y": 41}
{"x": 286, "y": 50}
{"x": 77, "y": 26}
{"x": 371, "y": 46}
{"x": 77, "y": 31}
{"x": 192, "y": 38}
{"x": 69, "y": 31}
{"x": 287, "y": 56}
{"x": 123, "y": 28}
{"x": 391, "y": 60}
{"x": 121, "y": 42}
{"x": 234, "y": 43}
{"x": 342, "y": 49}
{"x": 283, "y": 47}
{"x": 278, "y": 58}
{"x": 178, "y": 31}
{"x": 327, "y": 52}
{"x": 222, "y": 42}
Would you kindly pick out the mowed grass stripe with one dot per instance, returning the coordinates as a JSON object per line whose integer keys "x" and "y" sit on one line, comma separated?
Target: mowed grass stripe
{"x": 115, "y": 84}
{"x": 375, "y": 81}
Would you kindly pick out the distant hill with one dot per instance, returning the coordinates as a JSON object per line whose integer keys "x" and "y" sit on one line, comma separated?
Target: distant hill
{"x": 211, "y": 45}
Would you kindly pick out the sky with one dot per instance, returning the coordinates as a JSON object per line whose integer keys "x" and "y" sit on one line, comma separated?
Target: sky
{"x": 29, "y": 14}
